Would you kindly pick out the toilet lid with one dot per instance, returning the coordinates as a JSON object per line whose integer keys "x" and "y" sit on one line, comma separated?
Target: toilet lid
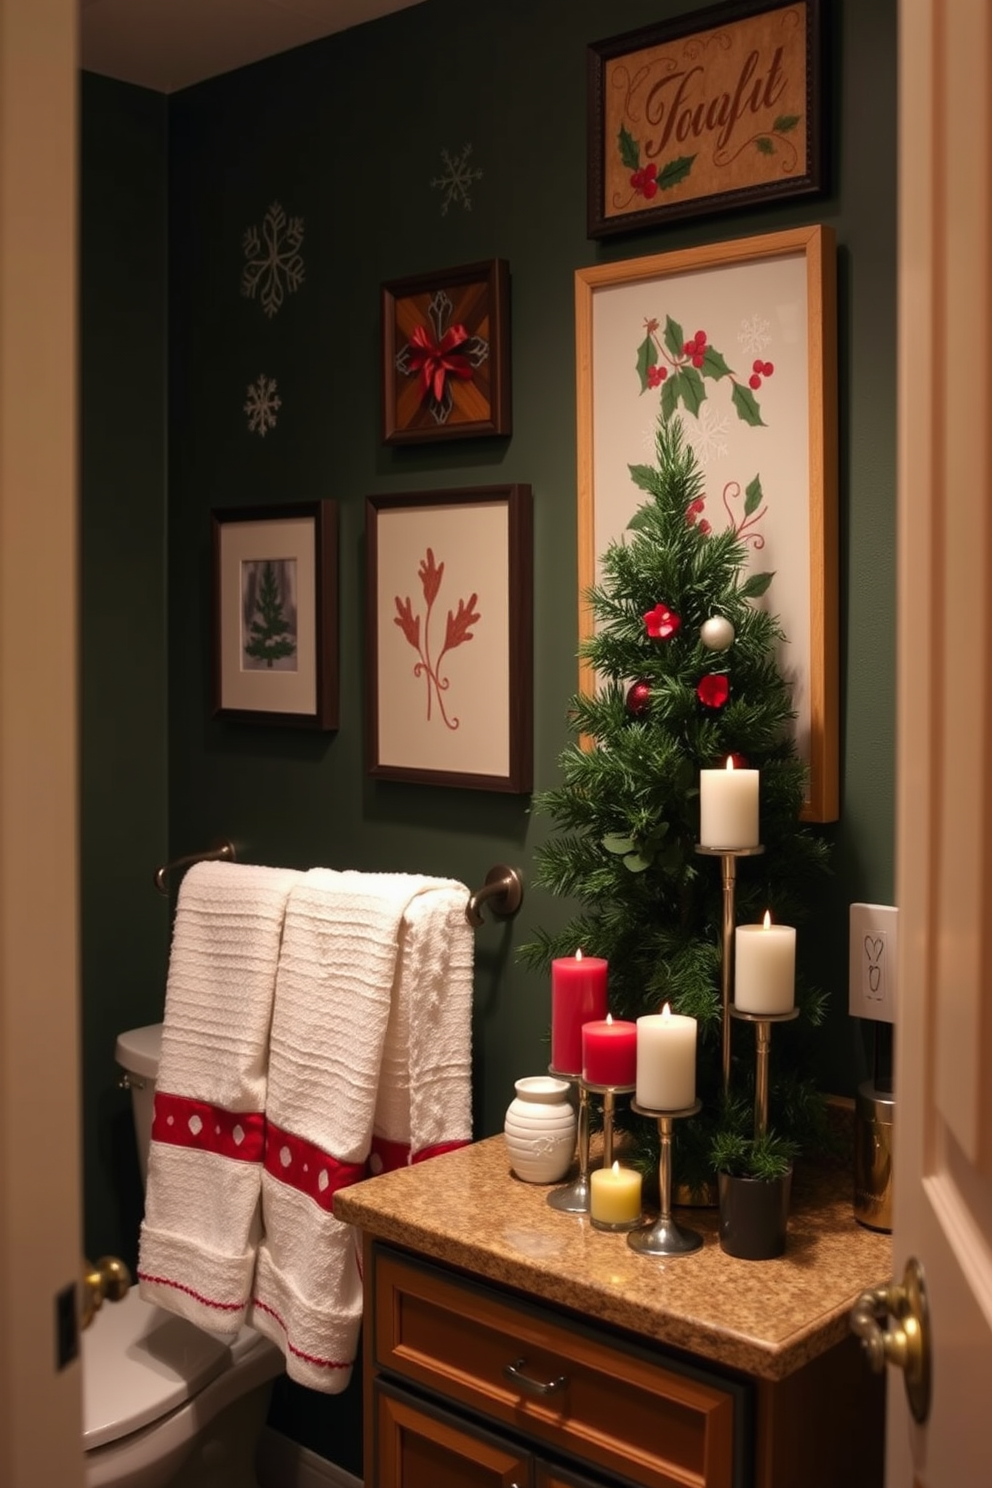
{"x": 140, "y": 1362}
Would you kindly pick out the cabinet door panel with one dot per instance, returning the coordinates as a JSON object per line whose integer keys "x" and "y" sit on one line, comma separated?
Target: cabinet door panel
{"x": 419, "y": 1448}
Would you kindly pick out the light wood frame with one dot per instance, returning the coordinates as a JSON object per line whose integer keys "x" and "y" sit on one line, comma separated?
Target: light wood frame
{"x": 611, "y": 323}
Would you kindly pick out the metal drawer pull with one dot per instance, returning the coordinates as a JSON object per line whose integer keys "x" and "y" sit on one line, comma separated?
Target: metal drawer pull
{"x": 532, "y": 1386}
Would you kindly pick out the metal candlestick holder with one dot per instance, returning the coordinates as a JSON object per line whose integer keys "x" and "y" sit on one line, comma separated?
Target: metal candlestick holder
{"x": 609, "y": 1094}
{"x": 573, "y": 1198}
{"x": 728, "y": 857}
{"x": 665, "y": 1237}
{"x": 763, "y": 1047}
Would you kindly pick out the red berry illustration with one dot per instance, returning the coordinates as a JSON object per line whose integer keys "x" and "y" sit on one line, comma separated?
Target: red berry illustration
{"x": 754, "y": 381}
{"x": 757, "y": 365}
{"x": 767, "y": 369}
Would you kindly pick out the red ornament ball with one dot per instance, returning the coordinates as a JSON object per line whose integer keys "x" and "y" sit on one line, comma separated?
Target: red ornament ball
{"x": 638, "y": 698}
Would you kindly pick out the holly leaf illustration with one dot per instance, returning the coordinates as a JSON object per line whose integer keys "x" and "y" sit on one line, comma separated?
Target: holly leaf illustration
{"x": 408, "y": 622}
{"x": 752, "y": 496}
{"x": 674, "y": 337}
{"x": 674, "y": 172}
{"x": 755, "y": 585}
{"x": 430, "y": 575}
{"x": 747, "y": 407}
{"x": 714, "y": 364}
{"x": 647, "y": 357}
{"x": 630, "y": 154}
{"x": 689, "y": 388}
{"x": 457, "y": 629}
{"x": 764, "y": 145}
{"x": 786, "y": 122}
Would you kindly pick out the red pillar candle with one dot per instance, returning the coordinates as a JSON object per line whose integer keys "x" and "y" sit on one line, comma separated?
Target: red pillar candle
{"x": 609, "y": 1052}
{"x": 578, "y": 995}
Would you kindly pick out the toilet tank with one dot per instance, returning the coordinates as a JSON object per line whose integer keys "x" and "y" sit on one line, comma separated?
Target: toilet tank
{"x": 137, "y": 1053}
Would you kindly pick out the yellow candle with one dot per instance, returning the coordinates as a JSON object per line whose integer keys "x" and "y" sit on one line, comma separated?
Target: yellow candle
{"x": 615, "y": 1195}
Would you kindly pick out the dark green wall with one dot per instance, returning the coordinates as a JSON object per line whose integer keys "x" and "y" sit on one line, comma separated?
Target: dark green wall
{"x": 348, "y": 134}
{"x": 123, "y": 722}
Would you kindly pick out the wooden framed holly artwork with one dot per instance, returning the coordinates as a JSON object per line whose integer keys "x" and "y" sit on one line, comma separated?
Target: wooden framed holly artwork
{"x": 449, "y": 635}
{"x": 738, "y": 341}
{"x": 275, "y": 643}
{"x": 446, "y": 354}
{"x": 712, "y": 111}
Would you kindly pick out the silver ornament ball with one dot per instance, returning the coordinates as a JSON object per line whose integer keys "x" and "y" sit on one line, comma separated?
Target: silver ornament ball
{"x": 716, "y": 633}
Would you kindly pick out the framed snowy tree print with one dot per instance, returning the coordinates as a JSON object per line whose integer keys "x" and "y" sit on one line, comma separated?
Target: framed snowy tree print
{"x": 275, "y": 644}
{"x": 449, "y": 598}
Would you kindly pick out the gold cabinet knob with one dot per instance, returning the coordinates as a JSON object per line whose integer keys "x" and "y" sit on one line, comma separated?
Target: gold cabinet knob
{"x": 893, "y": 1323}
{"x": 109, "y": 1280}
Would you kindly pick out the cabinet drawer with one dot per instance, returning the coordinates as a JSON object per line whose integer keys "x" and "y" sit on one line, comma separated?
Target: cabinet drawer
{"x": 593, "y": 1397}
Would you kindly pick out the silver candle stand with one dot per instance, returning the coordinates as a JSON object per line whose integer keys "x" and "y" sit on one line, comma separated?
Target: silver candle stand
{"x": 665, "y": 1237}
{"x": 728, "y": 857}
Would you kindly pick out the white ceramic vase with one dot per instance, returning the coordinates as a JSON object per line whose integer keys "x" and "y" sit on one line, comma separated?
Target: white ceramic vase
{"x": 540, "y": 1129}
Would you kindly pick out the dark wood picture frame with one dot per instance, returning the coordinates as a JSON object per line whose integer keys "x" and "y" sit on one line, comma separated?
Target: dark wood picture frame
{"x": 275, "y": 621}
{"x": 718, "y": 110}
{"x": 446, "y": 354}
{"x": 451, "y": 702}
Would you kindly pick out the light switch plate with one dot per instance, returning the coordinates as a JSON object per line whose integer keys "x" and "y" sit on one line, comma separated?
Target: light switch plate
{"x": 872, "y": 970}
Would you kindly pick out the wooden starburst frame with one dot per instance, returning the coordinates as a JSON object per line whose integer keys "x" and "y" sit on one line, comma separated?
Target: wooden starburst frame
{"x": 458, "y": 323}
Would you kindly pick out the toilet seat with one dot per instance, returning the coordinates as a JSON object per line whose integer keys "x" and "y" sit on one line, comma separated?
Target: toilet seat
{"x": 147, "y": 1373}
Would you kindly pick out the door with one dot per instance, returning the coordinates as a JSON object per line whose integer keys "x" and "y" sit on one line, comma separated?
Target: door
{"x": 40, "y": 1415}
{"x": 943, "y": 1133}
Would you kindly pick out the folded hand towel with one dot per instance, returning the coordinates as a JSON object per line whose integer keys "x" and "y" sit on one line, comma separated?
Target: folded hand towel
{"x": 334, "y": 991}
{"x": 425, "y": 1089}
{"x": 201, "y": 1224}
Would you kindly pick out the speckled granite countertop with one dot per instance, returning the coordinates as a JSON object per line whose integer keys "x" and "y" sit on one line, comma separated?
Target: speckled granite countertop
{"x": 766, "y": 1318}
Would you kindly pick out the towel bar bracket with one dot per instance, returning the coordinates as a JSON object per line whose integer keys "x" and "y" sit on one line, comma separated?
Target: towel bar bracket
{"x": 503, "y": 890}
{"x": 221, "y": 849}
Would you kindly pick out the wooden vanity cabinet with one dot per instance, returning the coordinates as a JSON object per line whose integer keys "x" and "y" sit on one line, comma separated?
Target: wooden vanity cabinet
{"x": 543, "y": 1395}
{"x": 471, "y": 1385}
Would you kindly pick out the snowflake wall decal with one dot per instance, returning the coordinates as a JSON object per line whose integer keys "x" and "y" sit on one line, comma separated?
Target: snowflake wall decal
{"x": 274, "y": 265}
{"x": 262, "y": 405}
{"x": 456, "y": 179}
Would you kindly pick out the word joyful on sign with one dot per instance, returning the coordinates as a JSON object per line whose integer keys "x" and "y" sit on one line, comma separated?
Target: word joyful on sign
{"x": 688, "y": 120}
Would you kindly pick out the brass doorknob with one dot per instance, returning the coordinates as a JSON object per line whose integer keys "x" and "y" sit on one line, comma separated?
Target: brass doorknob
{"x": 906, "y": 1343}
{"x": 109, "y": 1280}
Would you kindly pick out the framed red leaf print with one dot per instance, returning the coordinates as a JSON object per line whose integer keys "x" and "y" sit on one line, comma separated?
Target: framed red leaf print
{"x": 446, "y": 354}
{"x": 450, "y": 650}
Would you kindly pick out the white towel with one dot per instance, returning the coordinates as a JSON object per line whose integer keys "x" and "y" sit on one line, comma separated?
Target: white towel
{"x": 201, "y": 1224}
{"x": 334, "y": 991}
{"x": 424, "y": 1105}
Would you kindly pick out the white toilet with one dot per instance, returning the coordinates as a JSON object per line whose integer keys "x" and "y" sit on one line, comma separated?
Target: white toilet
{"x": 164, "y": 1401}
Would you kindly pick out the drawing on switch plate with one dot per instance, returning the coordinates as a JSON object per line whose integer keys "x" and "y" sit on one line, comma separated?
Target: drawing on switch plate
{"x": 872, "y": 963}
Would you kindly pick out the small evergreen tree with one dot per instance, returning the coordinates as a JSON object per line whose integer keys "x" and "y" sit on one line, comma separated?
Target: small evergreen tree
{"x": 626, "y": 812}
{"x": 271, "y": 633}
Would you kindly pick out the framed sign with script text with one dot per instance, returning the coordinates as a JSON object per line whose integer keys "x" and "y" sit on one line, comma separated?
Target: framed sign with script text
{"x": 713, "y": 111}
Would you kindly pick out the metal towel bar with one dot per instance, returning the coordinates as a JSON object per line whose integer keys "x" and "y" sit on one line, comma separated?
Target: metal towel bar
{"x": 503, "y": 889}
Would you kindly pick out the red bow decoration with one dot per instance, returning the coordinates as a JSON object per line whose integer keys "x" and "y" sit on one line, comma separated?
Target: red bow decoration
{"x": 436, "y": 362}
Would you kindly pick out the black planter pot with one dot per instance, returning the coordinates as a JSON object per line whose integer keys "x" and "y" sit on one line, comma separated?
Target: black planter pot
{"x": 754, "y": 1214}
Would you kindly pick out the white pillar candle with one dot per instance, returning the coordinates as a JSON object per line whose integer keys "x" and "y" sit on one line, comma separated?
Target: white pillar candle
{"x": 666, "y": 1061}
{"x": 728, "y": 807}
{"x": 765, "y": 968}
